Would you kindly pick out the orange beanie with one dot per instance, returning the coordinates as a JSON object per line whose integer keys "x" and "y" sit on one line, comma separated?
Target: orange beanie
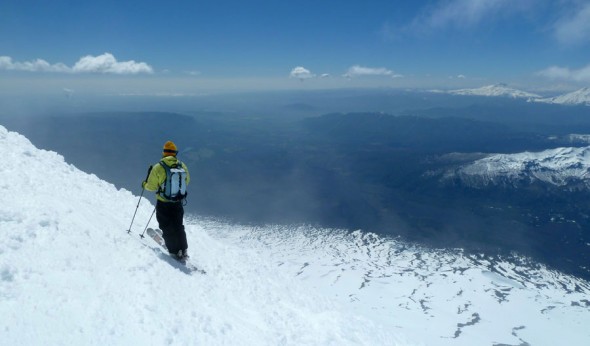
{"x": 170, "y": 149}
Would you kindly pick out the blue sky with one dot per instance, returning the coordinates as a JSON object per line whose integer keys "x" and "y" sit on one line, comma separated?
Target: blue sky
{"x": 184, "y": 46}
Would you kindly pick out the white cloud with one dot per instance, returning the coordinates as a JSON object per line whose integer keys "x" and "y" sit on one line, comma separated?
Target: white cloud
{"x": 301, "y": 73}
{"x": 38, "y": 65}
{"x": 105, "y": 63}
{"x": 358, "y": 71}
{"x": 571, "y": 27}
{"x": 575, "y": 27}
{"x": 193, "y": 73}
{"x": 555, "y": 72}
{"x": 565, "y": 73}
{"x": 325, "y": 75}
{"x": 466, "y": 13}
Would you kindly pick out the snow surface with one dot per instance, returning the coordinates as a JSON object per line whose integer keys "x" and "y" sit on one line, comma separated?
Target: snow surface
{"x": 70, "y": 274}
{"x": 495, "y": 90}
{"x": 560, "y": 167}
{"x": 578, "y": 138}
{"x": 578, "y": 97}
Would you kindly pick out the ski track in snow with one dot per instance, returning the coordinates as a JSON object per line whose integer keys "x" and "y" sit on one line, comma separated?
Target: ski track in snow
{"x": 70, "y": 274}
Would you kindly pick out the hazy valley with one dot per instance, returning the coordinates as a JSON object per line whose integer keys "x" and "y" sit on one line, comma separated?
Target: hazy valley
{"x": 303, "y": 159}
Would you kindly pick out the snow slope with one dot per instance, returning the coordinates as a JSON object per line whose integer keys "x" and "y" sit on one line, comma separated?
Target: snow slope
{"x": 559, "y": 167}
{"x": 578, "y": 97}
{"x": 70, "y": 274}
{"x": 495, "y": 90}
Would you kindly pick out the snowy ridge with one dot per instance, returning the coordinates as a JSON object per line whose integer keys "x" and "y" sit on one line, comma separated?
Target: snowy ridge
{"x": 559, "y": 167}
{"x": 578, "y": 97}
{"x": 70, "y": 273}
{"x": 495, "y": 90}
{"x": 92, "y": 283}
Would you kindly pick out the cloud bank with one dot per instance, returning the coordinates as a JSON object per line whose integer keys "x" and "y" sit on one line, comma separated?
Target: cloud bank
{"x": 302, "y": 73}
{"x": 358, "y": 71}
{"x": 103, "y": 64}
{"x": 465, "y": 13}
{"x": 565, "y": 73}
{"x": 570, "y": 23}
{"x": 574, "y": 28}
{"x": 38, "y": 65}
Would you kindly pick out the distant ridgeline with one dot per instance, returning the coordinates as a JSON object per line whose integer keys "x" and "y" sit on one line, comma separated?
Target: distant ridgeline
{"x": 429, "y": 175}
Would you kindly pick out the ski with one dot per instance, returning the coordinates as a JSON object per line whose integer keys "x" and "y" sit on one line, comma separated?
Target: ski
{"x": 156, "y": 235}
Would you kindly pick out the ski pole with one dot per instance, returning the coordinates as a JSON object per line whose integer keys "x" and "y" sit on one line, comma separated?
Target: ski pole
{"x": 148, "y": 223}
{"x": 129, "y": 230}
{"x": 142, "y": 190}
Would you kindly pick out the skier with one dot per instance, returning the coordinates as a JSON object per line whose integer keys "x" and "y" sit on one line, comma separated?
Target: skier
{"x": 169, "y": 178}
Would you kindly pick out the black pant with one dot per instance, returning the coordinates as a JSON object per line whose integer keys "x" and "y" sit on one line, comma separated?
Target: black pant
{"x": 169, "y": 215}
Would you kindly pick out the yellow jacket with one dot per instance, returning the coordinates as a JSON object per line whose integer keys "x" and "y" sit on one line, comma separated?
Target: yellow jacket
{"x": 157, "y": 176}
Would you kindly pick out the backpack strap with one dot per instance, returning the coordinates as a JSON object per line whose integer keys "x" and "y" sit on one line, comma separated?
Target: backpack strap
{"x": 166, "y": 167}
{"x": 167, "y": 170}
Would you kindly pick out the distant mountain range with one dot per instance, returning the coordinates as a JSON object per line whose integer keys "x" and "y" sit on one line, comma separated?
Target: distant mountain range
{"x": 562, "y": 167}
{"x": 495, "y": 90}
{"x": 578, "y": 97}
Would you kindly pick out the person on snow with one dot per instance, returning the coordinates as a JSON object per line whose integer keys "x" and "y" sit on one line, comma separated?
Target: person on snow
{"x": 170, "y": 195}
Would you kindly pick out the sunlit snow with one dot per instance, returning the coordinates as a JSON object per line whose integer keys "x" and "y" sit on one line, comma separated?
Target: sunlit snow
{"x": 578, "y": 97}
{"x": 558, "y": 166}
{"x": 70, "y": 274}
{"x": 495, "y": 90}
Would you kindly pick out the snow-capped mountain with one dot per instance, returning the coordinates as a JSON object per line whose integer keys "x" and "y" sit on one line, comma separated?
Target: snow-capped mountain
{"x": 559, "y": 167}
{"x": 578, "y": 138}
{"x": 71, "y": 274}
{"x": 578, "y": 97}
{"x": 495, "y": 90}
